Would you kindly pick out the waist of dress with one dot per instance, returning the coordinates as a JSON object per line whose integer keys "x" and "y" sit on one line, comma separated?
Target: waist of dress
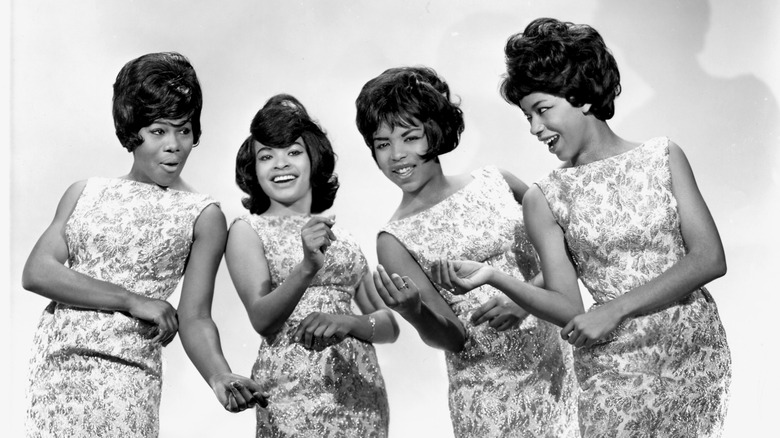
{"x": 100, "y": 333}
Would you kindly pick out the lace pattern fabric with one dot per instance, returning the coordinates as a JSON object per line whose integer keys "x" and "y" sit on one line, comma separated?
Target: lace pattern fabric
{"x": 97, "y": 373}
{"x": 336, "y": 392}
{"x": 666, "y": 373}
{"x": 516, "y": 383}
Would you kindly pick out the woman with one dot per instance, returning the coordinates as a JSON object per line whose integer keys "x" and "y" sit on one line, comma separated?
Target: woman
{"x": 297, "y": 275}
{"x": 509, "y": 374}
{"x": 628, "y": 220}
{"x": 127, "y": 242}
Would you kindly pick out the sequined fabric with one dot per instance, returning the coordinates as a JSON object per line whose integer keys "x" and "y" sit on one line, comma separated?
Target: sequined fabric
{"x": 664, "y": 374}
{"x": 336, "y": 392}
{"x": 516, "y": 383}
{"x": 97, "y": 373}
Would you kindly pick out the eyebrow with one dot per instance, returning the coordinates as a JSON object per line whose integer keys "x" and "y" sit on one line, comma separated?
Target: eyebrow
{"x": 403, "y": 134}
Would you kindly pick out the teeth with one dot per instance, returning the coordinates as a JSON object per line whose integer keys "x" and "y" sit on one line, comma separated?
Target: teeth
{"x": 550, "y": 140}
{"x": 403, "y": 170}
{"x": 283, "y": 178}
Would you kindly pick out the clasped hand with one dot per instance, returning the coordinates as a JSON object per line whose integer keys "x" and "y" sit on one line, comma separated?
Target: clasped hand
{"x": 237, "y": 393}
{"x": 320, "y": 330}
{"x": 588, "y": 328}
{"x": 159, "y": 312}
{"x": 316, "y": 238}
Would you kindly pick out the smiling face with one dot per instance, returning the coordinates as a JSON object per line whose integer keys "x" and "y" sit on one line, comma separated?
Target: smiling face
{"x": 398, "y": 154}
{"x": 556, "y": 123}
{"x": 284, "y": 175}
{"x": 160, "y": 158}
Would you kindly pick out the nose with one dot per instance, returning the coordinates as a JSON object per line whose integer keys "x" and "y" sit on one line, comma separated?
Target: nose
{"x": 281, "y": 162}
{"x": 397, "y": 151}
{"x": 536, "y": 126}
{"x": 172, "y": 144}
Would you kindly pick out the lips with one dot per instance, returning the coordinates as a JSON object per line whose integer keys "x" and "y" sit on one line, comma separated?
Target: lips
{"x": 280, "y": 179}
{"x": 170, "y": 165}
{"x": 402, "y": 170}
{"x": 551, "y": 141}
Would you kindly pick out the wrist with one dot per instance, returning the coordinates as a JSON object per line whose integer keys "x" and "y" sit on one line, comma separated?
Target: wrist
{"x": 307, "y": 270}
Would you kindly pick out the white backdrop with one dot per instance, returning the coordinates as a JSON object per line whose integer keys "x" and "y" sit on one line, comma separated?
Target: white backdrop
{"x": 707, "y": 74}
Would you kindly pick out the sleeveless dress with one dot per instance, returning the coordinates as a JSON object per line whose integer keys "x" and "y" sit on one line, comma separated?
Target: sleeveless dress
{"x": 515, "y": 383}
{"x": 666, "y": 373}
{"x": 336, "y": 392}
{"x": 94, "y": 372}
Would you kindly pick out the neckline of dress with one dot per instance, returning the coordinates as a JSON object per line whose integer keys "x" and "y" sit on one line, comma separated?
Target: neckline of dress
{"x": 611, "y": 157}
{"x": 446, "y": 198}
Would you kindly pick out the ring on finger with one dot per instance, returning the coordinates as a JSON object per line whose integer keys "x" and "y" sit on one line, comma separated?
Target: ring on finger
{"x": 404, "y": 286}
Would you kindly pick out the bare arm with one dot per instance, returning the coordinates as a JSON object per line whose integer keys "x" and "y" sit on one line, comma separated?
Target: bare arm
{"x": 199, "y": 334}
{"x": 268, "y": 309}
{"x": 45, "y": 274}
{"x": 559, "y": 301}
{"x": 517, "y": 185}
{"x": 367, "y": 299}
{"x": 420, "y": 303}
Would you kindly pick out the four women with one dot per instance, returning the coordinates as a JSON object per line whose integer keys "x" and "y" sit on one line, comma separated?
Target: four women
{"x": 624, "y": 218}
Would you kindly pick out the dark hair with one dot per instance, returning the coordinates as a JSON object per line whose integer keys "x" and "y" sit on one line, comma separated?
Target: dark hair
{"x": 398, "y": 96}
{"x": 563, "y": 59}
{"x": 152, "y": 87}
{"x": 281, "y": 121}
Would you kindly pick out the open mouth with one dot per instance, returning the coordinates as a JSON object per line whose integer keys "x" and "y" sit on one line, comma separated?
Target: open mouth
{"x": 283, "y": 178}
{"x": 170, "y": 166}
{"x": 403, "y": 171}
{"x": 550, "y": 142}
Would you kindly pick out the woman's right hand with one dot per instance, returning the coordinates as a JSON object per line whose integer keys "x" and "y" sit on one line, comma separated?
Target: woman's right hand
{"x": 398, "y": 293}
{"x": 316, "y": 237}
{"x": 459, "y": 276}
{"x": 159, "y": 312}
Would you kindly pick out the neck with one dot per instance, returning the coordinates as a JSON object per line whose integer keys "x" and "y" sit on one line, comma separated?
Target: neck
{"x": 433, "y": 192}
{"x": 600, "y": 143}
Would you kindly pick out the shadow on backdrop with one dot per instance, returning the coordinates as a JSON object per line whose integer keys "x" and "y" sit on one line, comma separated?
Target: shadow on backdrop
{"x": 728, "y": 126}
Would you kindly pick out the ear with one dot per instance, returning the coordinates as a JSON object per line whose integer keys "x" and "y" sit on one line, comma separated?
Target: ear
{"x": 585, "y": 109}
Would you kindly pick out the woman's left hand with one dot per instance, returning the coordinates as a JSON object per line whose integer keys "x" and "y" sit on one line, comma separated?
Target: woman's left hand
{"x": 237, "y": 393}
{"x": 588, "y": 328}
{"x": 319, "y": 330}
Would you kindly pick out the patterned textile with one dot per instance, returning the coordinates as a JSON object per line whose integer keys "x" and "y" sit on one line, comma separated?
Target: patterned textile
{"x": 664, "y": 374}
{"x": 336, "y": 392}
{"x": 97, "y": 373}
{"x": 516, "y": 383}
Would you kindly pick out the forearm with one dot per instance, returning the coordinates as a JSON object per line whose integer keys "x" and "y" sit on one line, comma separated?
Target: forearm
{"x": 57, "y": 282}
{"x": 688, "y": 274}
{"x": 200, "y": 338}
{"x": 436, "y": 330}
{"x": 383, "y": 330}
{"x": 269, "y": 312}
{"x": 549, "y": 305}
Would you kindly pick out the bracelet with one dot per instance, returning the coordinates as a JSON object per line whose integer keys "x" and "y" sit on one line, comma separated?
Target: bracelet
{"x": 372, "y": 321}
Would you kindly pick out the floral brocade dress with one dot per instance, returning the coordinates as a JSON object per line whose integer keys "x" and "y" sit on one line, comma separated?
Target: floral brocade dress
{"x": 662, "y": 374}
{"x": 514, "y": 383}
{"x": 336, "y": 392}
{"x": 97, "y": 373}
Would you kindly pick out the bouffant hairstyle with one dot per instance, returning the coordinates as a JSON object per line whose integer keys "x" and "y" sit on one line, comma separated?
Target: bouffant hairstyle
{"x": 562, "y": 59}
{"x": 399, "y": 96}
{"x": 152, "y": 87}
{"x": 281, "y": 121}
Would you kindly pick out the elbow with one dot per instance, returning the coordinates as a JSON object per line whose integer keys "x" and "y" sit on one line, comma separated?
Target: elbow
{"x": 31, "y": 278}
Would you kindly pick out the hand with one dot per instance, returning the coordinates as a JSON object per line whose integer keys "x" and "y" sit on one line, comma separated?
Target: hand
{"x": 316, "y": 237}
{"x": 459, "y": 276}
{"x": 237, "y": 393}
{"x": 398, "y": 293}
{"x": 159, "y": 312}
{"x": 319, "y": 330}
{"x": 588, "y": 328}
{"x": 499, "y": 312}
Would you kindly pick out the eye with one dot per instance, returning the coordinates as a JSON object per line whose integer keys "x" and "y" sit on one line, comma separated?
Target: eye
{"x": 295, "y": 152}
{"x": 542, "y": 110}
{"x": 411, "y": 138}
{"x": 383, "y": 145}
{"x": 263, "y": 157}
{"x": 157, "y": 131}
{"x": 185, "y": 131}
